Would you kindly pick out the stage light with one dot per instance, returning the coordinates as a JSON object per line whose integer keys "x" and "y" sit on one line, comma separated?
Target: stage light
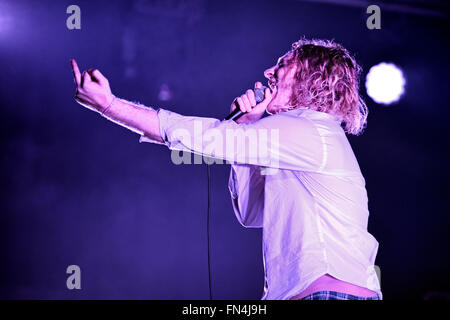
{"x": 8, "y": 26}
{"x": 165, "y": 94}
{"x": 4, "y": 23}
{"x": 385, "y": 83}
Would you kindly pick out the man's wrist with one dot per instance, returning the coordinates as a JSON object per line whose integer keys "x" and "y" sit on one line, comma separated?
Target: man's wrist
{"x": 105, "y": 110}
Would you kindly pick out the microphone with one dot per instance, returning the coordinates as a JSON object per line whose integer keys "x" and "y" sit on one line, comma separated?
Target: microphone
{"x": 237, "y": 113}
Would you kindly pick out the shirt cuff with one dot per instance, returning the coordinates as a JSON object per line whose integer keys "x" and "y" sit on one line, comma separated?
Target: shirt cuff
{"x": 162, "y": 115}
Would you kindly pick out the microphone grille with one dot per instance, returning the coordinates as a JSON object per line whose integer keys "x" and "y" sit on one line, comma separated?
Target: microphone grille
{"x": 259, "y": 94}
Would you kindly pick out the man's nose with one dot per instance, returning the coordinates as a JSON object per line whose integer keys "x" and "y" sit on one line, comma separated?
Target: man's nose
{"x": 269, "y": 73}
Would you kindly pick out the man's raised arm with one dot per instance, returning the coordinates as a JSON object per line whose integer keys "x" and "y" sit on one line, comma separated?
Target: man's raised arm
{"x": 94, "y": 92}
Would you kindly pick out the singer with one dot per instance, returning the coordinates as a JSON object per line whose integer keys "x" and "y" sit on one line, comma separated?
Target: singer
{"x": 313, "y": 208}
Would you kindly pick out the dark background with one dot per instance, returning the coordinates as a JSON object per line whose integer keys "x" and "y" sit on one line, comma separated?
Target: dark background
{"x": 77, "y": 189}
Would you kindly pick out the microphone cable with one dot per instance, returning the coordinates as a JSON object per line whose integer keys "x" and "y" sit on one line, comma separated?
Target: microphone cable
{"x": 236, "y": 114}
{"x": 208, "y": 172}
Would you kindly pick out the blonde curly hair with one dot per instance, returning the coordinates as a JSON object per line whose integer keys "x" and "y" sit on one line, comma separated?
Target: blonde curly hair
{"x": 327, "y": 80}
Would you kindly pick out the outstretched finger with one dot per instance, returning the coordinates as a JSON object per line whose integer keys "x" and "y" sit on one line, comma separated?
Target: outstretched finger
{"x": 76, "y": 72}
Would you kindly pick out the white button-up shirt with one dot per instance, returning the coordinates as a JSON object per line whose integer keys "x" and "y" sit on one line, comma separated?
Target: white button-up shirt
{"x": 312, "y": 204}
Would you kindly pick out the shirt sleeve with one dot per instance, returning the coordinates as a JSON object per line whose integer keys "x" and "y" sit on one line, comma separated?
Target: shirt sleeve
{"x": 144, "y": 138}
{"x": 246, "y": 185}
{"x": 280, "y": 141}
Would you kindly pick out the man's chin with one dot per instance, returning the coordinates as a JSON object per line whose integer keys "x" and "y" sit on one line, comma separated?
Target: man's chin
{"x": 273, "y": 108}
{"x": 269, "y": 110}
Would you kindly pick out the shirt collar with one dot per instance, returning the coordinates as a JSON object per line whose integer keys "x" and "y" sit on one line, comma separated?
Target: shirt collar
{"x": 309, "y": 113}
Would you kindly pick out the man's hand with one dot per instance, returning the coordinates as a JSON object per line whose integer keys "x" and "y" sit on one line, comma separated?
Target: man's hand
{"x": 247, "y": 103}
{"x": 93, "y": 89}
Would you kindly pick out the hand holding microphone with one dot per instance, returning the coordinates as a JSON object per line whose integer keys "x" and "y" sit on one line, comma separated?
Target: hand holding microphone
{"x": 250, "y": 107}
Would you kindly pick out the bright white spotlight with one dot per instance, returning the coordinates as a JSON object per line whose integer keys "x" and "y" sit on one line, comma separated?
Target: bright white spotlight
{"x": 385, "y": 83}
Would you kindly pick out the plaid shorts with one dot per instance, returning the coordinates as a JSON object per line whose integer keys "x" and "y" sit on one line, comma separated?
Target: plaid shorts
{"x": 333, "y": 295}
